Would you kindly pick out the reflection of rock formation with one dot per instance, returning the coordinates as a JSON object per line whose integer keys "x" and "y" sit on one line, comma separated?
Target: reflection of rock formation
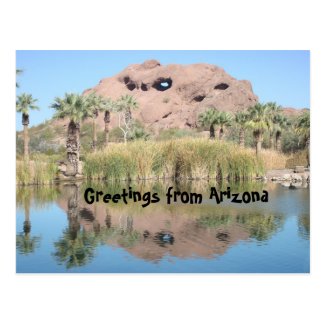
{"x": 163, "y": 230}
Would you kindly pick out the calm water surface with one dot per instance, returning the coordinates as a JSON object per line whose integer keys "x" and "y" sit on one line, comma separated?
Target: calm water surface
{"x": 57, "y": 231}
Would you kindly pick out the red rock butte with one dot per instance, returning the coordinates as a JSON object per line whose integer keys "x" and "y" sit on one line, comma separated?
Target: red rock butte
{"x": 172, "y": 96}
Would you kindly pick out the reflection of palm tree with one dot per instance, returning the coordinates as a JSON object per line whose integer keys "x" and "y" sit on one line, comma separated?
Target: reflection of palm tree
{"x": 76, "y": 250}
{"x": 25, "y": 243}
{"x": 304, "y": 226}
{"x": 75, "y": 247}
{"x": 261, "y": 227}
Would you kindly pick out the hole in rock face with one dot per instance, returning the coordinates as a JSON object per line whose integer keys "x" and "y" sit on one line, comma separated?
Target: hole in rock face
{"x": 221, "y": 86}
{"x": 144, "y": 87}
{"x": 198, "y": 98}
{"x": 131, "y": 86}
{"x": 162, "y": 84}
{"x": 126, "y": 80}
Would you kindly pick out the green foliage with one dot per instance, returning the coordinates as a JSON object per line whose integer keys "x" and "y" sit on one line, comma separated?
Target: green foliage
{"x": 259, "y": 118}
{"x": 138, "y": 131}
{"x": 74, "y": 106}
{"x": 302, "y": 126}
{"x": 26, "y": 102}
{"x": 175, "y": 133}
{"x": 37, "y": 171}
{"x": 184, "y": 158}
{"x": 261, "y": 227}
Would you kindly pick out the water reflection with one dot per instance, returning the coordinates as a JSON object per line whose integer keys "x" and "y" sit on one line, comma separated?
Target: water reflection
{"x": 25, "y": 242}
{"x": 150, "y": 234}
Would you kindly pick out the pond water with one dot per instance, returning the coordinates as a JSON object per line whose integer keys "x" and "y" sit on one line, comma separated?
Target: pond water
{"x": 57, "y": 231}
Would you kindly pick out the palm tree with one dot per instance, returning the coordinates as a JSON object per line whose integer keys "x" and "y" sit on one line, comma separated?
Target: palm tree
{"x": 274, "y": 110}
{"x": 224, "y": 119}
{"x": 96, "y": 104}
{"x": 24, "y": 103}
{"x": 18, "y": 72}
{"x": 259, "y": 120}
{"x": 279, "y": 123}
{"x": 209, "y": 119}
{"x": 108, "y": 106}
{"x": 302, "y": 128}
{"x": 76, "y": 108}
{"x": 241, "y": 119}
{"x": 124, "y": 107}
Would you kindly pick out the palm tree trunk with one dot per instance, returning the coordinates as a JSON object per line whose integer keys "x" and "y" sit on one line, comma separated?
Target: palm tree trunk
{"x": 278, "y": 137}
{"x": 95, "y": 114}
{"x": 259, "y": 139}
{"x": 73, "y": 147}
{"x": 106, "y": 134}
{"x": 271, "y": 141}
{"x": 94, "y": 135}
{"x": 242, "y": 138}
{"x": 212, "y": 133}
{"x": 25, "y": 122}
{"x": 221, "y": 133}
{"x": 106, "y": 120}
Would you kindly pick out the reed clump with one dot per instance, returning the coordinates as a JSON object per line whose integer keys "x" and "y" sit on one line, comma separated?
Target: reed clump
{"x": 35, "y": 172}
{"x": 187, "y": 158}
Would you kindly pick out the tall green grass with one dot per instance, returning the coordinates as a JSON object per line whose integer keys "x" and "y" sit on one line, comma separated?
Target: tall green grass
{"x": 186, "y": 158}
{"x": 35, "y": 172}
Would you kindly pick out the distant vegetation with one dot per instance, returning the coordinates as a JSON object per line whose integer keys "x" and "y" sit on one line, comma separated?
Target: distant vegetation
{"x": 279, "y": 142}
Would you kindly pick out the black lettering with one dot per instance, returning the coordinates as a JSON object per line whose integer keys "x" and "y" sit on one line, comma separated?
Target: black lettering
{"x": 89, "y": 199}
{"x": 146, "y": 198}
{"x": 265, "y": 196}
{"x": 106, "y": 198}
{"x": 214, "y": 193}
{"x": 136, "y": 196}
{"x": 155, "y": 198}
{"x": 246, "y": 197}
{"x": 185, "y": 197}
{"x": 116, "y": 197}
{"x": 235, "y": 198}
{"x": 98, "y": 193}
{"x": 196, "y": 198}
{"x": 169, "y": 196}
{"x": 255, "y": 196}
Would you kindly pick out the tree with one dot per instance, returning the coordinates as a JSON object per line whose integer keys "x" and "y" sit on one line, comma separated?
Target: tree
{"x": 274, "y": 110}
{"x": 98, "y": 104}
{"x": 209, "y": 119}
{"x": 76, "y": 108}
{"x": 124, "y": 107}
{"x": 24, "y": 103}
{"x": 279, "y": 124}
{"x": 302, "y": 129}
{"x": 241, "y": 119}
{"x": 223, "y": 119}
{"x": 259, "y": 120}
{"x": 18, "y": 72}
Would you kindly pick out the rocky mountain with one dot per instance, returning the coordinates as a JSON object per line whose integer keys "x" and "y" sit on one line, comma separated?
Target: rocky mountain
{"x": 172, "y": 96}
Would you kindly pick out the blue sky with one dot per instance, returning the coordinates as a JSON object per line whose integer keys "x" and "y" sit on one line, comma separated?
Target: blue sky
{"x": 280, "y": 76}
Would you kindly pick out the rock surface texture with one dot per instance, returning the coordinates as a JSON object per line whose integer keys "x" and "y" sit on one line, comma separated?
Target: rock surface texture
{"x": 174, "y": 95}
